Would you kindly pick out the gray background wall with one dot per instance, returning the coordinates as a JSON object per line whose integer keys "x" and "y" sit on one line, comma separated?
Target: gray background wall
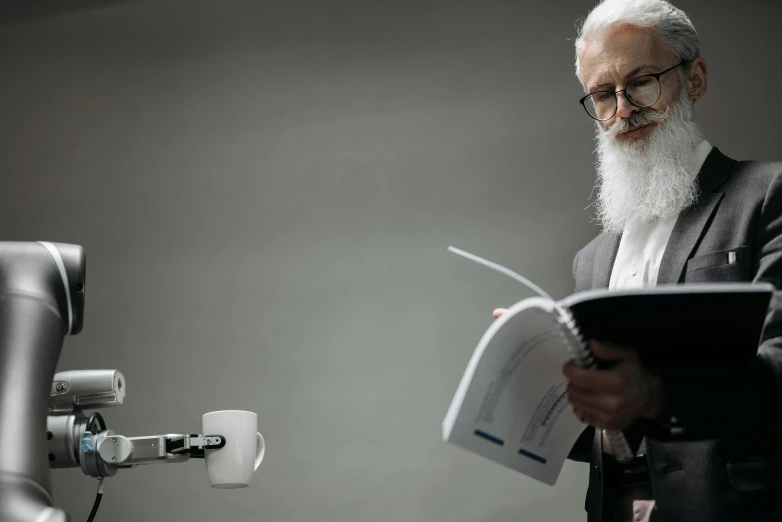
{"x": 266, "y": 191}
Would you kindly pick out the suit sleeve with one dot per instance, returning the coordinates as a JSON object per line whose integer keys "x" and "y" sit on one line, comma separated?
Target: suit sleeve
{"x": 747, "y": 398}
{"x": 582, "y": 449}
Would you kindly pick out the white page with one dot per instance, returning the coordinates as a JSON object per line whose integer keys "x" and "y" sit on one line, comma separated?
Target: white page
{"x": 511, "y": 404}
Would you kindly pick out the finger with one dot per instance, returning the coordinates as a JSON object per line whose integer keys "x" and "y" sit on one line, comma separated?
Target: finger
{"x": 593, "y": 419}
{"x": 499, "y": 311}
{"x": 595, "y": 422}
{"x": 604, "y": 411}
{"x": 603, "y": 403}
{"x": 611, "y": 351}
{"x": 580, "y": 394}
{"x": 595, "y": 380}
{"x": 568, "y": 369}
{"x": 591, "y": 416}
{"x": 586, "y": 406}
{"x": 605, "y": 424}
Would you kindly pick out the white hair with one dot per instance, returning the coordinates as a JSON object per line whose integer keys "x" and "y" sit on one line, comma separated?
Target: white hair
{"x": 671, "y": 24}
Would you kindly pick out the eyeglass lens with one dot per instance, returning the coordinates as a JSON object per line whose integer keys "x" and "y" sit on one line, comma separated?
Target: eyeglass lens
{"x": 643, "y": 92}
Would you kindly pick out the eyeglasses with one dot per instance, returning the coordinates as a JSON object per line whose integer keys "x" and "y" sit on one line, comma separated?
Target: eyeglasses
{"x": 643, "y": 91}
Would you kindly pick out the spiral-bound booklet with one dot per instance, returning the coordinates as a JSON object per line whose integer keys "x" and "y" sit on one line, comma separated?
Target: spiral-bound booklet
{"x": 511, "y": 404}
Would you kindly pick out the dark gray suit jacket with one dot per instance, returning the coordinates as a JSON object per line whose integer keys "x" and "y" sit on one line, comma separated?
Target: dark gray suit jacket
{"x": 717, "y": 456}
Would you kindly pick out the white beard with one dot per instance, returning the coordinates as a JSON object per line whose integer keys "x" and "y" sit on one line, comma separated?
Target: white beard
{"x": 648, "y": 178}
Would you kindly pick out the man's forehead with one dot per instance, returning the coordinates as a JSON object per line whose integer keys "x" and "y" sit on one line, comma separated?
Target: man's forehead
{"x": 614, "y": 53}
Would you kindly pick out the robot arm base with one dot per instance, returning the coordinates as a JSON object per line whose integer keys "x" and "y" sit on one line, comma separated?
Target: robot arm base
{"x": 22, "y": 500}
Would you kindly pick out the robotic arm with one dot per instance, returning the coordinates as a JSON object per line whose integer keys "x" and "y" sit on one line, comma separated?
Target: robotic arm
{"x": 73, "y": 441}
{"x": 41, "y": 301}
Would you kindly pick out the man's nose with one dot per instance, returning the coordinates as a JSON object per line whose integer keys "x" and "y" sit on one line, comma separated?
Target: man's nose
{"x": 624, "y": 109}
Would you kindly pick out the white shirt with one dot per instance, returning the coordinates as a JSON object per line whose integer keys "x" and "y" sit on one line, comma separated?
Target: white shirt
{"x": 643, "y": 244}
{"x": 637, "y": 264}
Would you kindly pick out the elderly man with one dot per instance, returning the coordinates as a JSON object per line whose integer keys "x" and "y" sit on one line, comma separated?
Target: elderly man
{"x": 674, "y": 209}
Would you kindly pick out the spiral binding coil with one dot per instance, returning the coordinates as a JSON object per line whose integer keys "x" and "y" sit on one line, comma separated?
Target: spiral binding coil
{"x": 576, "y": 344}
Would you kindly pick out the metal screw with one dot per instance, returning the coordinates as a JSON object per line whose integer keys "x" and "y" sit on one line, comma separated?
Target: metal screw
{"x": 61, "y": 387}
{"x": 114, "y": 459}
{"x": 114, "y": 439}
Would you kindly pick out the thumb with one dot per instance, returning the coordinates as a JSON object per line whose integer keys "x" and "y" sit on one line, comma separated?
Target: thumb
{"x": 611, "y": 351}
{"x": 499, "y": 311}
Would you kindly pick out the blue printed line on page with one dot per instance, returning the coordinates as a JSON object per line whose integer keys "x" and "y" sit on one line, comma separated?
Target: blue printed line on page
{"x": 490, "y": 438}
{"x": 532, "y": 456}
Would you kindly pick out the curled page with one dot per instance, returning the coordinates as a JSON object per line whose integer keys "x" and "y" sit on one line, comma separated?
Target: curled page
{"x": 511, "y": 405}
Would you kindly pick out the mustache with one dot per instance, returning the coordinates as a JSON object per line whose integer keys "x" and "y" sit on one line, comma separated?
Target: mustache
{"x": 638, "y": 119}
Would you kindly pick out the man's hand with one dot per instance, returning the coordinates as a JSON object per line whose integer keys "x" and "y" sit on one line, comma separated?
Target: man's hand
{"x": 613, "y": 398}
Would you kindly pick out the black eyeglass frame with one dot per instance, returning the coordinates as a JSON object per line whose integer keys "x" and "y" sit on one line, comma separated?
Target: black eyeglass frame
{"x": 656, "y": 76}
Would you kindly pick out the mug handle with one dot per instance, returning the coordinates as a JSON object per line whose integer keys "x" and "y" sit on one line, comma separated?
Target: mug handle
{"x": 261, "y": 451}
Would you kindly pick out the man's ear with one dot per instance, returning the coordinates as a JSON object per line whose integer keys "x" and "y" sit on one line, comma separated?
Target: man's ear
{"x": 697, "y": 79}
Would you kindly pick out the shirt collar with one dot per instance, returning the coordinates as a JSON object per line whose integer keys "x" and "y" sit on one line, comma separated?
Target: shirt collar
{"x": 699, "y": 157}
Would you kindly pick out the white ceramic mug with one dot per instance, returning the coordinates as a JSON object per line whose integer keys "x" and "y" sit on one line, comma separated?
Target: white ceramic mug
{"x": 233, "y": 465}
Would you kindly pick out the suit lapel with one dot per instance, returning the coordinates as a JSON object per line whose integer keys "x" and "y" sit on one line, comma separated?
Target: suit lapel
{"x": 604, "y": 260}
{"x": 691, "y": 223}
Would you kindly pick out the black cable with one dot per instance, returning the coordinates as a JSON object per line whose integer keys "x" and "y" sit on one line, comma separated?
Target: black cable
{"x": 96, "y": 505}
{"x": 96, "y": 416}
{"x": 99, "y": 496}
